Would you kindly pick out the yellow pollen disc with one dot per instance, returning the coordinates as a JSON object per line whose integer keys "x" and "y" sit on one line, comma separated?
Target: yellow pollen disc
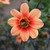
{"x": 24, "y": 22}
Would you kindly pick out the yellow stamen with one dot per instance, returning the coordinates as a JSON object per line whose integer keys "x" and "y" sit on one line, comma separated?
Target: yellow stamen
{"x": 24, "y": 22}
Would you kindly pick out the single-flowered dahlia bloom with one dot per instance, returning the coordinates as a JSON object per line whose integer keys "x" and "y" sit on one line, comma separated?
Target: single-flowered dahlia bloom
{"x": 19, "y": 38}
{"x": 5, "y": 1}
{"x": 24, "y": 23}
{"x": 45, "y": 33}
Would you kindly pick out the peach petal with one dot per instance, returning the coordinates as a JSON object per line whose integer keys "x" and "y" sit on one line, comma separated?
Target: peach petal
{"x": 5, "y": 1}
{"x": 24, "y": 9}
{"x": 33, "y": 33}
{"x": 12, "y": 21}
{"x": 24, "y": 36}
{"x": 37, "y": 24}
{"x": 35, "y": 13}
{"x": 15, "y": 13}
{"x": 15, "y": 31}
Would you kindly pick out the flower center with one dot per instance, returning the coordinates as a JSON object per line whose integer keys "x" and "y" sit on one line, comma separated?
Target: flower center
{"x": 24, "y": 22}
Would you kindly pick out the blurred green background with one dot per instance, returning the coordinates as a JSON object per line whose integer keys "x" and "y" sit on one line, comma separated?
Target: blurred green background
{"x": 8, "y": 42}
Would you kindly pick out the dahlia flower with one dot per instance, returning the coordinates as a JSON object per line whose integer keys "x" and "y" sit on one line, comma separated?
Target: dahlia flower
{"x": 18, "y": 38}
{"x": 5, "y": 1}
{"x": 45, "y": 33}
{"x": 24, "y": 23}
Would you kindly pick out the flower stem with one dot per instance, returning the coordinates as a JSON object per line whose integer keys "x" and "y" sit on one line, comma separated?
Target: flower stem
{"x": 28, "y": 2}
{"x": 38, "y": 4}
{"x": 20, "y": 47}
